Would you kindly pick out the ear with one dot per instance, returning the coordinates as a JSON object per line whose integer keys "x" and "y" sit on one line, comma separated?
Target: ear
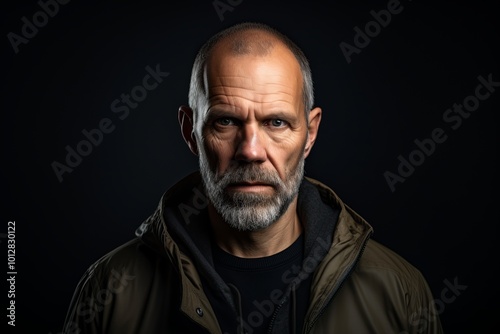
{"x": 186, "y": 121}
{"x": 312, "y": 129}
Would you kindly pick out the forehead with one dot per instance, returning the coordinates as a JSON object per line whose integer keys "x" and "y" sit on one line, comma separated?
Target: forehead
{"x": 272, "y": 70}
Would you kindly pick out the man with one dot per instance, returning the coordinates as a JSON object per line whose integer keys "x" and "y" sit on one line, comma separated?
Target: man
{"x": 248, "y": 244}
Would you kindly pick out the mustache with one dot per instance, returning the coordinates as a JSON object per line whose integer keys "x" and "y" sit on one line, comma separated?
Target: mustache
{"x": 249, "y": 174}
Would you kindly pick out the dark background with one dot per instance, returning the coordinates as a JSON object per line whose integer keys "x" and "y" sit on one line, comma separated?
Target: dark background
{"x": 443, "y": 218}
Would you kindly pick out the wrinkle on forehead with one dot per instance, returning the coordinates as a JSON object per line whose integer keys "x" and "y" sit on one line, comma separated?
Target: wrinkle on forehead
{"x": 233, "y": 81}
{"x": 248, "y": 83}
{"x": 247, "y": 88}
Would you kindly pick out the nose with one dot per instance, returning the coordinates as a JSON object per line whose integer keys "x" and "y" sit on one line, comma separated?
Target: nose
{"x": 250, "y": 145}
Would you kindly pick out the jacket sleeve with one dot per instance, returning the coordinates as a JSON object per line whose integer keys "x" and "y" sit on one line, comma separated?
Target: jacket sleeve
{"x": 423, "y": 316}
{"x": 95, "y": 299}
{"x": 85, "y": 310}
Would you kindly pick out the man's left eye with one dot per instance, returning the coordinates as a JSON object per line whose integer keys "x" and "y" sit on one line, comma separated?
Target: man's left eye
{"x": 277, "y": 122}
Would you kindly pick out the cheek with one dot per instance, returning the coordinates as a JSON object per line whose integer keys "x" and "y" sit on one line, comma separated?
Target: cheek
{"x": 219, "y": 153}
{"x": 286, "y": 156}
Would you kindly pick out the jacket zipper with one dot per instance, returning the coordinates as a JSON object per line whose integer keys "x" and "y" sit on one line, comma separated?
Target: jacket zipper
{"x": 275, "y": 314}
{"x": 335, "y": 291}
{"x": 276, "y": 310}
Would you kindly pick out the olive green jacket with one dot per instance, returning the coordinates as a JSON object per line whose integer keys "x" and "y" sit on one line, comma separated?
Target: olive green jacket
{"x": 153, "y": 284}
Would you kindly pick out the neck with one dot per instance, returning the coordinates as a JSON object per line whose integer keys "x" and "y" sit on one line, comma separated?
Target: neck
{"x": 252, "y": 244}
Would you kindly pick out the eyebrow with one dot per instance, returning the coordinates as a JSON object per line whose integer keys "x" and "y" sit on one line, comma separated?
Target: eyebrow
{"x": 223, "y": 112}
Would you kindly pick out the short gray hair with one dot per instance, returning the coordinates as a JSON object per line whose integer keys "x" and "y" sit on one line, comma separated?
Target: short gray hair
{"x": 198, "y": 100}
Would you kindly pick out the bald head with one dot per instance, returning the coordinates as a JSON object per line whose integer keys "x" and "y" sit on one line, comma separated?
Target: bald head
{"x": 246, "y": 39}
{"x": 251, "y": 42}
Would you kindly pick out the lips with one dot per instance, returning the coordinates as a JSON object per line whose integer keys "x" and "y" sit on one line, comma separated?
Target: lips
{"x": 249, "y": 185}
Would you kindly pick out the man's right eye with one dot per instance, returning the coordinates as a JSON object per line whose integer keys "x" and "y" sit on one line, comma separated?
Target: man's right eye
{"x": 224, "y": 121}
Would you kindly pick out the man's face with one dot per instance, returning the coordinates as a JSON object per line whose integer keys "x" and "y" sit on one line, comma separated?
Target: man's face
{"x": 252, "y": 137}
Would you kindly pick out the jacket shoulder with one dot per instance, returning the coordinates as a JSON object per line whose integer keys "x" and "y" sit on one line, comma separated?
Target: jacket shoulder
{"x": 388, "y": 291}
{"x": 113, "y": 292}
{"x": 132, "y": 254}
{"x": 392, "y": 272}
{"x": 381, "y": 257}
{"x": 387, "y": 272}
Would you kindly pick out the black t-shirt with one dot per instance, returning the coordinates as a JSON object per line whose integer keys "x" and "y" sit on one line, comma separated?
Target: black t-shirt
{"x": 262, "y": 283}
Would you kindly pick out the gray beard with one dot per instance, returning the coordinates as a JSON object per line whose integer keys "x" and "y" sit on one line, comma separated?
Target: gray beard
{"x": 250, "y": 211}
